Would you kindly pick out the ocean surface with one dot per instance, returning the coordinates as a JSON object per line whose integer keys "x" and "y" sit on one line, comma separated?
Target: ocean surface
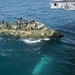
{"x": 23, "y": 57}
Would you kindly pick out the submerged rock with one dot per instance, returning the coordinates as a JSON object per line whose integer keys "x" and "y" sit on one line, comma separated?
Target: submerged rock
{"x": 29, "y": 30}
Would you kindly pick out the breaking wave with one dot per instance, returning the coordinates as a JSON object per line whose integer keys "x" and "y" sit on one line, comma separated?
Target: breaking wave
{"x": 31, "y": 41}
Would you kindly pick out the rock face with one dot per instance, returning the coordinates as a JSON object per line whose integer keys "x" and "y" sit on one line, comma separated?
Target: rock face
{"x": 29, "y": 29}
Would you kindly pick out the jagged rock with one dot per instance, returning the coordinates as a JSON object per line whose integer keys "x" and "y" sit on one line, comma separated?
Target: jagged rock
{"x": 29, "y": 30}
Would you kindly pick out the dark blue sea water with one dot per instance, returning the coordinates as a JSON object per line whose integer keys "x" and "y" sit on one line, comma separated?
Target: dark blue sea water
{"x": 54, "y": 57}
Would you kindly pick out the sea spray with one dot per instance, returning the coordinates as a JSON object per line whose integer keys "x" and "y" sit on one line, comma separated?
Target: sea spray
{"x": 41, "y": 65}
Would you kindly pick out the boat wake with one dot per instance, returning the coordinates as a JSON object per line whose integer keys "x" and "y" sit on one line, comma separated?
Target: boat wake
{"x": 31, "y": 41}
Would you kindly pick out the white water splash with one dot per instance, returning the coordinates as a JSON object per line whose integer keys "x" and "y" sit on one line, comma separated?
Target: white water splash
{"x": 30, "y": 41}
{"x": 46, "y": 39}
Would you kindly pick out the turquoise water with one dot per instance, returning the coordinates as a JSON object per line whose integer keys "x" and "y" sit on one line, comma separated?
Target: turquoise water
{"x": 54, "y": 57}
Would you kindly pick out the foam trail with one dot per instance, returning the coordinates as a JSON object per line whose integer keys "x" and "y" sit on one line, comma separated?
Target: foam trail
{"x": 41, "y": 65}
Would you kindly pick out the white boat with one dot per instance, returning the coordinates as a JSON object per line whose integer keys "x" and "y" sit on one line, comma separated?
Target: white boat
{"x": 64, "y": 4}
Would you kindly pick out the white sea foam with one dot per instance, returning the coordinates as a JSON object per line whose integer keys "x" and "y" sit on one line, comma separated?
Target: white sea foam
{"x": 30, "y": 41}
